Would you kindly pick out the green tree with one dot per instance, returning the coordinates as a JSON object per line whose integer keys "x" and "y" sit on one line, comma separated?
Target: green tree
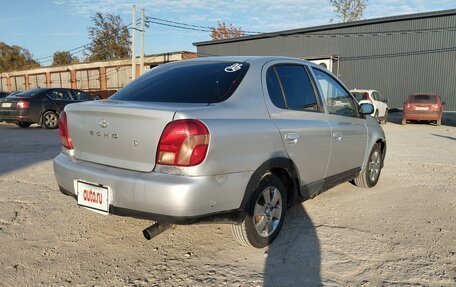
{"x": 64, "y": 58}
{"x": 223, "y": 31}
{"x": 349, "y": 10}
{"x": 110, "y": 38}
{"x": 15, "y": 58}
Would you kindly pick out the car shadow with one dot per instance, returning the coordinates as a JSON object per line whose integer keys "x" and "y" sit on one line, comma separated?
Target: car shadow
{"x": 22, "y": 147}
{"x": 293, "y": 259}
{"x": 442, "y": 136}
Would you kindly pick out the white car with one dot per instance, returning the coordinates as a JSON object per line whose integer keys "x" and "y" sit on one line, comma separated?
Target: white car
{"x": 375, "y": 98}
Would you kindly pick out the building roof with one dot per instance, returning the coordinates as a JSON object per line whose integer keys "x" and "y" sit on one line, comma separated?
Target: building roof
{"x": 334, "y": 26}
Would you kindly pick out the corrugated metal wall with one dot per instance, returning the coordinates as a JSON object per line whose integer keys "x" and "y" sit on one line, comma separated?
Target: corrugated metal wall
{"x": 18, "y": 83}
{"x": 88, "y": 80}
{"x": 118, "y": 77}
{"x": 61, "y": 80}
{"x": 395, "y": 58}
{"x": 37, "y": 81}
{"x": 3, "y": 84}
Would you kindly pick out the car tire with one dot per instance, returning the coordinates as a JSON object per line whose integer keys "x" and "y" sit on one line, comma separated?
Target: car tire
{"x": 23, "y": 125}
{"x": 369, "y": 176}
{"x": 266, "y": 210}
{"x": 385, "y": 118}
{"x": 404, "y": 122}
{"x": 376, "y": 115}
{"x": 50, "y": 120}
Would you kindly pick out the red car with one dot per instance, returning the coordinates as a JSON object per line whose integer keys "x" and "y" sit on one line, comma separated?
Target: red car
{"x": 423, "y": 107}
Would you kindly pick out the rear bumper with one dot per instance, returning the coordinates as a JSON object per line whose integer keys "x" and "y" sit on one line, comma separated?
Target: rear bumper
{"x": 156, "y": 196}
{"x": 425, "y": 116}
{"x": 13, "y": 116}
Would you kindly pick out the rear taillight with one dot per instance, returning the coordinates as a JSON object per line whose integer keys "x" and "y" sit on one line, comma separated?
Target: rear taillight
{"x": 22, "y": 104}
{"x": 65, "y": 138}
{"x": 183, "y": 143}
{"x": 408, "y": 106}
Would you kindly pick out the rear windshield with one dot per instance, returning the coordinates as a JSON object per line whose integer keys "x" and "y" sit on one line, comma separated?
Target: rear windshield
{"x": 199, "y": 82}
{"x": 360, "y": 96}
{"x": 28, "y": 94}
{"x": 427, "y": 99}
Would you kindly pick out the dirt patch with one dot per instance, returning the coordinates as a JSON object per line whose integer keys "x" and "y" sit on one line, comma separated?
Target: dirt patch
{"x": 400, "y": 233}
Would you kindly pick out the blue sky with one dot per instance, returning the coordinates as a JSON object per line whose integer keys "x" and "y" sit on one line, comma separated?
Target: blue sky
{"x": 45, "y": 26}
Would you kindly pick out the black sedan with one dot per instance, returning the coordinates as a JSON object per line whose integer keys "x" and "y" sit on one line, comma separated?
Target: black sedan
{"x": 41, "y": 106}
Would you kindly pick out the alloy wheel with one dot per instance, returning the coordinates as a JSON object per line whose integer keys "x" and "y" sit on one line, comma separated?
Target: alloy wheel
{"x": 374, "y": 166}
{"x": 268, "y": 211}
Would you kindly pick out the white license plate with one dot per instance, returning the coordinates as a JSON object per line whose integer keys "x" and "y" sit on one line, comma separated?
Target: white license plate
{"x": 6, "y": 105}
{"x": 422, "y": 108}
{"x": 93, "y": 196}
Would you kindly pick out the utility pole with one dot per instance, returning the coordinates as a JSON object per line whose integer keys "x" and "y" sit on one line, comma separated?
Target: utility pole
{"x": 141, "y": 49}
{"x": 133, "y": 45}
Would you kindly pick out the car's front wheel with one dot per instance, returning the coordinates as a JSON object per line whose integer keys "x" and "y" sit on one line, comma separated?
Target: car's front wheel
{"x": 50, "y": 120}
{"x": 265, "y": 214}
{"x": 369, "y": 176}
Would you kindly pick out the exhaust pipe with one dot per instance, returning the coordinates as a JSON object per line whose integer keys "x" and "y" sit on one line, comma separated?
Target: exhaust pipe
{"x": 156, "y": 229}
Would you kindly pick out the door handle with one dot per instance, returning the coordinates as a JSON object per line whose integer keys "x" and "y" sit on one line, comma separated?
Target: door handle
{"x": 292, "y": 137}
{"x": 337, "y": 136}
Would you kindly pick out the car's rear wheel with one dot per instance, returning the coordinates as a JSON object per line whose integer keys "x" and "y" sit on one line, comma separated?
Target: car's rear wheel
{"x": 371, "y": 173}
{"x": 50, "y": 120}
{"x": 23, "y": 125}
{"x": 265, "y": 214}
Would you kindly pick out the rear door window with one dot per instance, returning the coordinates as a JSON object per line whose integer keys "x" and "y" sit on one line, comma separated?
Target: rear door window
{"x": 296, "y": 85}
{"x": 423, "y": 99}
{"x": 59, "y": 95}
{"x": 196, "y": 82}
{"x": 81, "y": 96}
{"x": 274, "y": 89}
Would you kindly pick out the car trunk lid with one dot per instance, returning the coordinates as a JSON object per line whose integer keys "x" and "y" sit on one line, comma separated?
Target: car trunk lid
{"x": 9, "y": 103}
{"x": 120, "y": 133}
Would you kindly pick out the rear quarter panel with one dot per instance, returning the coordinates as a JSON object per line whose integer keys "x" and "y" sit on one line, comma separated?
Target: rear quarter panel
{"x": 242, "y": 134}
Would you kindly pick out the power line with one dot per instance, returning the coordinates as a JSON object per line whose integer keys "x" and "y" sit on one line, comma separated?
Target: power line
{"x": 180, "y": 27}
{"x": 186, "y": 26}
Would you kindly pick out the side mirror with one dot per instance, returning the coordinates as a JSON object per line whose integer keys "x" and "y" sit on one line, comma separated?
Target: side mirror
{"x": 366, "y": 109}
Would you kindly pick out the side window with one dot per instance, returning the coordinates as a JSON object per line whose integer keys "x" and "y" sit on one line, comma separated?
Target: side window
{"x": 81, "y": 96}
{"x": 59, "y": 95}
{"x": 299, "y": 93}
{"x": 274, "y": 90}
{"x": 338, "y": 100}
{"x": 376, "y": 96}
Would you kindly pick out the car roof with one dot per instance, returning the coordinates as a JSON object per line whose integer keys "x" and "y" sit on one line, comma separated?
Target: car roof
{"x": 363, "y": 91}
{"x": 247, "y": 59}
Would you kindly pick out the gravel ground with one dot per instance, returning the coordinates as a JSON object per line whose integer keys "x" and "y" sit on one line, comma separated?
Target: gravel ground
{"x": 400, "y": 233}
